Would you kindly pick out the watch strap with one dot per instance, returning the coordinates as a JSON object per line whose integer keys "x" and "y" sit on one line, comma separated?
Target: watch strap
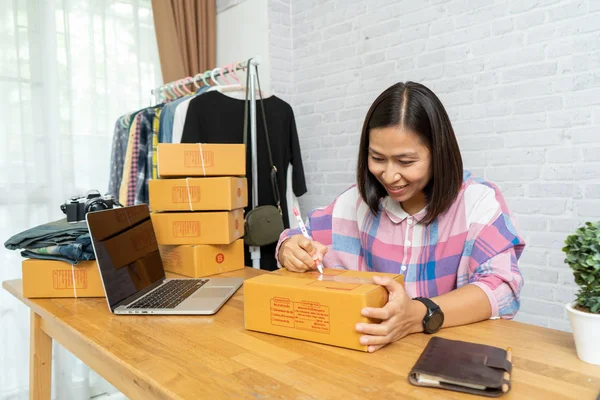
{"x": 430, "y": 304}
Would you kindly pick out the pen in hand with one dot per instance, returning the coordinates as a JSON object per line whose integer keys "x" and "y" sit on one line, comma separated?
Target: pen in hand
{"x": 305, "y": 233}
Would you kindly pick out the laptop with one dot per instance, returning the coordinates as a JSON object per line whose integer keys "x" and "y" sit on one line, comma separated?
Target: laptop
{"x": 132, "y": 271}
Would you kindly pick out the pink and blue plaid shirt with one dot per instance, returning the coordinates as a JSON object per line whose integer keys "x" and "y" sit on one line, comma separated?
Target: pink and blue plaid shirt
{"x": 475, "y": 242}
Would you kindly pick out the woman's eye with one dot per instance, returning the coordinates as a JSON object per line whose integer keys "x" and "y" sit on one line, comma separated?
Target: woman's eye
{"x": 376, "y": 159}
{"x": 406, "y": 162}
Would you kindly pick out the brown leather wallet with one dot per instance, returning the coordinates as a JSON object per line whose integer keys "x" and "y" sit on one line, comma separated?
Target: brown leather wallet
{"x": 463, "y": 367}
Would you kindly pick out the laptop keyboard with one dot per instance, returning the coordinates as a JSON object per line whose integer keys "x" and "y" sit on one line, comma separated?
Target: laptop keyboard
{"x": 170, "y": 294}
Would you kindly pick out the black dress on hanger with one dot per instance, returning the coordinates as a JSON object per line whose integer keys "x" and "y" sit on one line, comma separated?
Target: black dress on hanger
{"x": 217, "y": 118}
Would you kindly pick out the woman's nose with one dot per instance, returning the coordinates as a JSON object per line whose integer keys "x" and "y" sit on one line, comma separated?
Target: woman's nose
{"x": 390, "y": 175}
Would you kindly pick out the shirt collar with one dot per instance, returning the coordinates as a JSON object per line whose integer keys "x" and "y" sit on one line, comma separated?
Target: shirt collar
{"x": 397, "y": 214}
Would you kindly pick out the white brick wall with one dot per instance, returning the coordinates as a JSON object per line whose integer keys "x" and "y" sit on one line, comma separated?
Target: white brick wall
{"x": 280, "y": 46}
{"x": 520, "y": 80}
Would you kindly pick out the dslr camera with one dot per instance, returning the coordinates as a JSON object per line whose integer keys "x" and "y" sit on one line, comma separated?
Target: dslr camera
{"x": 77, "y": 206}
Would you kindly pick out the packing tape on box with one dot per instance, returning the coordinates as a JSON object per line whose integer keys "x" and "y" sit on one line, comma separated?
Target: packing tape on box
{"x": 328, "y": 277}
{"x": 187, "y": 185}
{"x": 202, "y": 159}
{"x": 74, "y": 283}
{"x": 345, "y": 279}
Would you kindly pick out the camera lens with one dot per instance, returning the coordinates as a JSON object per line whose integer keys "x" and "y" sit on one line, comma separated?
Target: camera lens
{"x": 96, "y": 205}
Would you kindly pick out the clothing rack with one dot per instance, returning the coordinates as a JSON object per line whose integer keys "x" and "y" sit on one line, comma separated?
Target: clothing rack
{"x": 211, "y": 73}
{"x": 252, "y": 85}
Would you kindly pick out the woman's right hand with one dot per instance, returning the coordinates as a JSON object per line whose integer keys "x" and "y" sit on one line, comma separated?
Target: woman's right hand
{"x": 299, "y": 254}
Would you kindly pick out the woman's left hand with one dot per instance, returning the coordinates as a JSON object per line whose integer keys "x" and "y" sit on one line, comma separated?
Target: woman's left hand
{"x": 399, "y": 317}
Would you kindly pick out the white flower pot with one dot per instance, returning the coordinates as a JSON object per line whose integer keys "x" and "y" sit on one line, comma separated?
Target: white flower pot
{"x": 586, "y": 330}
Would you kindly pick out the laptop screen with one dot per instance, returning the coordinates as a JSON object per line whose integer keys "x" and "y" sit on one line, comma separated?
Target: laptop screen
{"x": 126, "y": 251}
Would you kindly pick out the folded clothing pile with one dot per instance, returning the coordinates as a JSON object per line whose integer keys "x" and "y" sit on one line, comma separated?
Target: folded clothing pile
{"x": 58, "y": 240}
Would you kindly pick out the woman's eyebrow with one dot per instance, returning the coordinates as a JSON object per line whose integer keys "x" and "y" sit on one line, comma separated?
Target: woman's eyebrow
{"x": 406, "y": 154}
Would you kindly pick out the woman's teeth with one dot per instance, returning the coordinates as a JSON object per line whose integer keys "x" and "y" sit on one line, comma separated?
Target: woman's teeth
{"x": 394, "y": 188}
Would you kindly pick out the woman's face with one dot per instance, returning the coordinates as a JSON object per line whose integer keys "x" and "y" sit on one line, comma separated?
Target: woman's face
{"x": 401, "y": 163}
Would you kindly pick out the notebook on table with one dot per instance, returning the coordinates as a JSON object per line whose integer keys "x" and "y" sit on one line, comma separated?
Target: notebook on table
{"x": 463, "y": 367}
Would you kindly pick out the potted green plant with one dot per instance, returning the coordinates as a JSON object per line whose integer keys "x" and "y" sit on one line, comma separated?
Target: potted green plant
{"x": 583, "y": 256}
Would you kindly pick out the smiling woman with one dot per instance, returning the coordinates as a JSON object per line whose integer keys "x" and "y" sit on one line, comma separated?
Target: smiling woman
{"x": 407, "y": 140}
{"x": 414, "y": 212}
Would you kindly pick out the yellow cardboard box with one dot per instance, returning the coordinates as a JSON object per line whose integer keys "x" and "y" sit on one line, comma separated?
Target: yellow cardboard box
{"x": 175, "y": 228}
{"x": 200, "y": 159}
{"x": 312, "y": 307}
{"x": 198, "y": 194}
{"x": 49, "y": 278}
{"x": 203, "y": 260}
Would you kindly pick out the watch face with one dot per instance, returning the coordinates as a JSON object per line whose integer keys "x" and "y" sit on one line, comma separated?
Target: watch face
{"x": 435, "y": 321}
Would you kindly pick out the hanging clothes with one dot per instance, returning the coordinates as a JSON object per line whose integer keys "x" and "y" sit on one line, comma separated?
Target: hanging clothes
{"x": 166, "y": 120}
{"x": 118, "y": 151}
{"x": 217, "y": 118}
{"x": 136, "y": 137}
{"x": 181, "y": 114}
{"x": 124, "y": 190}
{"x": 155, "y": 132}
{"x": 143, "y": 171}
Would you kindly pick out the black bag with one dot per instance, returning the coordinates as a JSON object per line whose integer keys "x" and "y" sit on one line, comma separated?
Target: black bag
{"x": 264, "y": 224}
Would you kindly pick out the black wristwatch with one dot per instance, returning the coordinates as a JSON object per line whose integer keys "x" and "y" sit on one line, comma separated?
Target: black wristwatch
{"x": 433, "y": 320}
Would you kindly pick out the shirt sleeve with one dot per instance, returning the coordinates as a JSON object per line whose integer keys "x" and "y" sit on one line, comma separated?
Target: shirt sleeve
{"x": 318, "y": 226}
{"x": 298, "y": 179}
{"x": 493, "y": 262}
{"x": 500, "y": 279}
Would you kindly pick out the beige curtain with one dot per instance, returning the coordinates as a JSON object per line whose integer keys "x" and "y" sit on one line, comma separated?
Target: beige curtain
{"x": 186, "y": 36}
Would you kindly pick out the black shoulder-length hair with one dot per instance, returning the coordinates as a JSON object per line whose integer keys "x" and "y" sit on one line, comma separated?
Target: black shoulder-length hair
{"x": 417, "y": 108}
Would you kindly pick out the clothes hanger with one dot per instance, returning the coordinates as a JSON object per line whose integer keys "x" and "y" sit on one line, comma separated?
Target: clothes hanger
{"x": 213, "y": 77}
{"x": 177, "y": 88}
{"x": 185, "y": 83}
{"x": 233, "y": 73}
{"x": 195, "y": 80}
{"x": 167, "y": 93}
{"x": 222, "y": 72}
{"x": 204, "y": 76}
{"x": 225, "y": 88}
{"x": 171, "y": 91}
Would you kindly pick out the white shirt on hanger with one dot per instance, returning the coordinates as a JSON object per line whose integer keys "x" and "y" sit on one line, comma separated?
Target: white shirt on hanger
{"x": 179, "y": 119}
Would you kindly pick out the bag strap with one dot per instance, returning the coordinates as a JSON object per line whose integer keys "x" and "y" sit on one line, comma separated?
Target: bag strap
{"x": 273, "y": 175}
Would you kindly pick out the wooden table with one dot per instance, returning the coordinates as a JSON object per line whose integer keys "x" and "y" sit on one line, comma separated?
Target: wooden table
{"x": 192, "y": 357}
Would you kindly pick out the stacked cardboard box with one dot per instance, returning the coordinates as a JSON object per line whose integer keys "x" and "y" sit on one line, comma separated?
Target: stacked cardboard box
{"x": 48, "y": 278}
{"x": 198, "y": 205}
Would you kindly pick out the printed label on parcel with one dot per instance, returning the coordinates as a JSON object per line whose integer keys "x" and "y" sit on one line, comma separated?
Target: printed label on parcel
{"x": 63, "y": 279}
{"x": 184, "y": 229}
{"x": 307, "y": 315}
{"x": 198, "y": 159}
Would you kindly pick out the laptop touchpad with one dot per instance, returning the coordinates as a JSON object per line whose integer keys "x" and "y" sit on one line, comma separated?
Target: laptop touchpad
{"x": 207, "y": 292}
